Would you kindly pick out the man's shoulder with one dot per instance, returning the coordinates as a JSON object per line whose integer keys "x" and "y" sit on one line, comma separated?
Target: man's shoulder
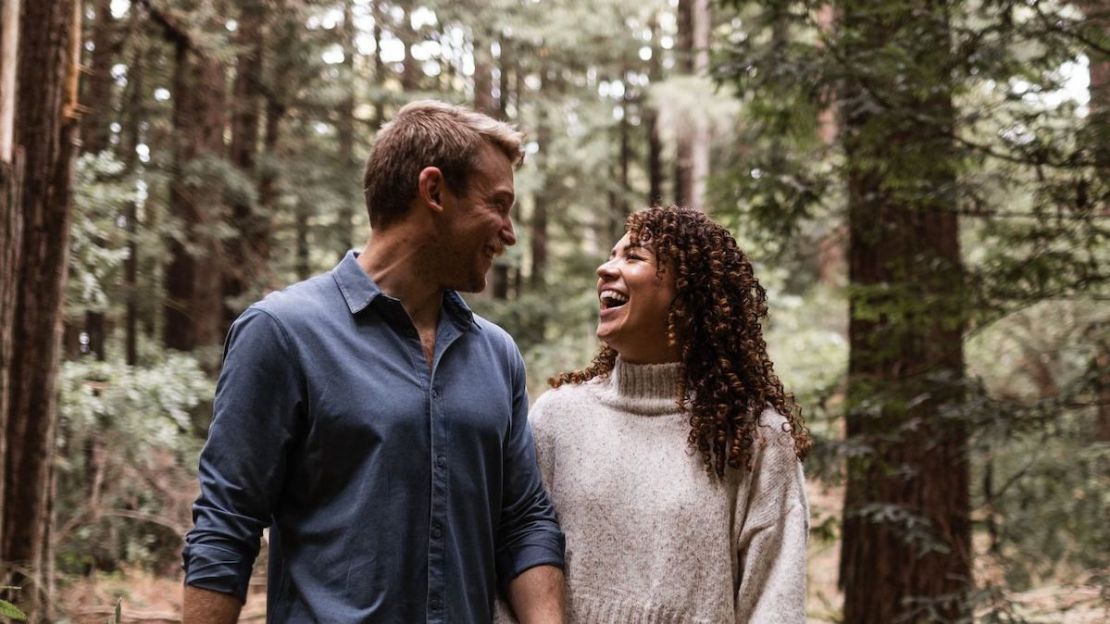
{"x": 304, "y": 301}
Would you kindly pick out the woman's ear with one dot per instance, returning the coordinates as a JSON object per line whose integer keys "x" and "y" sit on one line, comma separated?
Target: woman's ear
{"x": 430, "y": 187}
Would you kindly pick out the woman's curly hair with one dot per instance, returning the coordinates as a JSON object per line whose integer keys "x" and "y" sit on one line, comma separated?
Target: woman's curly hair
{"x": 726, "y": 378}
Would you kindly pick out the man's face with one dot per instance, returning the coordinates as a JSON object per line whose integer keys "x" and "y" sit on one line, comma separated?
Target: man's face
{"x": 478, "y": 225}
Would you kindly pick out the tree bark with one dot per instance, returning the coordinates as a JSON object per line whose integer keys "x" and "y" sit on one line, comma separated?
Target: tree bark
{"x": 130, "y": 141}
{"x": 484, "y": 102}
{"x": 507, "y": 63}
{"x": 193, "y": 309}
{"x": 624, "y": 158}
{"x": 651, "y": 121}
{"x": 907, "y": 533}
{"x": 1098, "y": 122}
{"x": 379, "y": 64}
{"x": 96, "y": 98}
{"x": 410, "y": 67}
{"x": 11, "y": 226}
{"x": 348, "y": 169}
{"x": 246, "y": 115}
{"x": 692, "y": 147}
{"x": 538, "y": 225}
{"x": 46, "y": 130}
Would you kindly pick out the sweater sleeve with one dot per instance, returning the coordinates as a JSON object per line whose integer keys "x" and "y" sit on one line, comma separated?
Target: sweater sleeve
{"x": 773, "y": 522}
{"x": 540, "y": 417}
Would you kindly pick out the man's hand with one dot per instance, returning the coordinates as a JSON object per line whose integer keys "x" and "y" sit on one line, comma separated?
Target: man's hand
{"x": 204, "y": 606}
{"x": 538, "y": 596}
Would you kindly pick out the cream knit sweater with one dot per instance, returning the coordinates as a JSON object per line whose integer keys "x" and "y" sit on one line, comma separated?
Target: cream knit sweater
{"x": 650, "y": 537}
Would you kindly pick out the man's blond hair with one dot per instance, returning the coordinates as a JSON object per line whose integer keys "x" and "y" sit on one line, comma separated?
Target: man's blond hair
{"x": 427, "y": 133}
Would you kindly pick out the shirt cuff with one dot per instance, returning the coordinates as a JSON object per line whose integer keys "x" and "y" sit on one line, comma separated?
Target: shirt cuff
{"x": 545, "y": 550}
{"x": 218, "y": 569}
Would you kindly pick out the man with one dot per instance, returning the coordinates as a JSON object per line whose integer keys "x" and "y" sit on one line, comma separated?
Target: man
{"x": 375, "y": 423}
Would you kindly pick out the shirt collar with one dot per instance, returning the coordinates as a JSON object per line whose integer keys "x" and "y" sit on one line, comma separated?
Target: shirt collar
{"x": 357, "y": 287}
{"x": 359, "y": 291}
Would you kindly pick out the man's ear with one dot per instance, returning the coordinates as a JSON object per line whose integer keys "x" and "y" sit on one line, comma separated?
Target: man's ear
{"x": 431, "y": 187}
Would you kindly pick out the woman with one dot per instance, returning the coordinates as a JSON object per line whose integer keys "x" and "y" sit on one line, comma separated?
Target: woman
{"x": 673, "y": 460}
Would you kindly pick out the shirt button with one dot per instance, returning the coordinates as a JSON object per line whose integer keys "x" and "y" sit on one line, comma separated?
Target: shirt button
{"x": 436, "y": 603}
{"x": 435, "y": 393}
{"x": 441, "y": 461}
{"x": 437, "y": 530}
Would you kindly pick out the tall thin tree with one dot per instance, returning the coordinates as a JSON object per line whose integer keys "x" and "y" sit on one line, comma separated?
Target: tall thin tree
{"x": 11, "y": 220}
{"x": 242, "y": 263}
{"x": 906, "y": 551}
{"x": 193, "y": 309}
{"x": 45, "y": 130}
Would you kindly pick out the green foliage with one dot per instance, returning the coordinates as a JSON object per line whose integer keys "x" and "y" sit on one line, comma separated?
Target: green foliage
{"x": 10, "y": 611}
{"x": 120, "y": 428}
{"x": 97, "y": 242}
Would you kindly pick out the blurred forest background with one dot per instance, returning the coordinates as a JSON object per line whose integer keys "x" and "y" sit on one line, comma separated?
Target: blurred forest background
{"x": 923, "y": 184}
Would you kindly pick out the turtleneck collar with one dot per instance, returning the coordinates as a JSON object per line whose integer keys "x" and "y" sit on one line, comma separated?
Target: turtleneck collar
{"x": 646, "y": 389}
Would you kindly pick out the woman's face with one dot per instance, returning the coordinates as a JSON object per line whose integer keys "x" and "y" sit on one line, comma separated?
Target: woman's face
{"x": 635, "y": 295}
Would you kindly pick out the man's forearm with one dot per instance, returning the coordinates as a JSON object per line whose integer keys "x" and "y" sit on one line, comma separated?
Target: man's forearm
{"x": 204, "y": 606}
{"x": 538, "y": 596}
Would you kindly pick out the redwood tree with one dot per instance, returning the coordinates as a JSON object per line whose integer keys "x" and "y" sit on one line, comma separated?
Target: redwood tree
{"x": 11, "y": 217}
{"x": 906, "y": 549}
{"x": 45, "y": 131}
{"x": 193, "y": 309}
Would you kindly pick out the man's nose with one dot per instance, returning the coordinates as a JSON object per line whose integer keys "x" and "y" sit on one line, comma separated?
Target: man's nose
{"x": 508, "y": 235}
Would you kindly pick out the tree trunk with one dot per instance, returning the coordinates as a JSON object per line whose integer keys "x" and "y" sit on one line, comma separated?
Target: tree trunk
{"x": 11, "y": 227}
{"x": 538, "y": 225}
{"x": 651, "y": 121}
{"x": 410, "y": 67}
{"x": 692, "y": 148}
{"x": 130, "y": 141}
{"x": 1099, "y": 122}
{"x": 379, "y": 64}
{"x": 96, "y": 97}
{"x": 193, "y": 310}
{"x": 247, "y": 103}
{"x": 684, "y": 65}
{"x": 484, "y": 102}
{"x": 302, "y": 265}
{"x": 46, "y": 130}
{"x": 624, "y": 158}
{"x": 349, "y": 177}
{"x": 506, "y": 62}
{"x": 907, "y": 534}
{"x": 699, "y": 149}
{"x": 267, "y": 182}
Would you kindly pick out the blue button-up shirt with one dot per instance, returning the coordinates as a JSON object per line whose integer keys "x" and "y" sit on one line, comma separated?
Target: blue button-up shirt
{"x": 394, "y": 491}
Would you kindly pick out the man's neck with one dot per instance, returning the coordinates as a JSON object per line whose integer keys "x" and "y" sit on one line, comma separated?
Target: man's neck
{"x": 394, "y": 261}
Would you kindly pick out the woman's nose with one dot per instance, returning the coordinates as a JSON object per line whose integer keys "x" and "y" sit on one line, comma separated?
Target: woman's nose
{"x": 607, "y": 269}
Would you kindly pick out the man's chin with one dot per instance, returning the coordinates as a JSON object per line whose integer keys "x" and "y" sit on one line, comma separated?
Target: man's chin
{"x": 473, "y": 285}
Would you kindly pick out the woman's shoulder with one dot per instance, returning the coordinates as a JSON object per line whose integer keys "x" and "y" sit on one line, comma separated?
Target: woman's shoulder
{"x": 567, "y": 402}
{"x": 775, "y": 435}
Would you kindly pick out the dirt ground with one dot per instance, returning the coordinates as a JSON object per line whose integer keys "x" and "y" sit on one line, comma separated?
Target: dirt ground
{"x": 150, "y": 599}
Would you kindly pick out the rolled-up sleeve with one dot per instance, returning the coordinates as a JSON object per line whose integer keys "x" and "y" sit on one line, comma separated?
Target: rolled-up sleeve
{"x": 258, "y": 404}
{"x": 529, "y": 532}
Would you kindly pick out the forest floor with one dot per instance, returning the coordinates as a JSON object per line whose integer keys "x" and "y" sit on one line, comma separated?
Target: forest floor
{"x": 150, "y": 599}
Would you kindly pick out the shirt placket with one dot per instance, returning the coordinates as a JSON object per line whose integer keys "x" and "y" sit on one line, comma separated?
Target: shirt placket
{"x": 437, "y": 532}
